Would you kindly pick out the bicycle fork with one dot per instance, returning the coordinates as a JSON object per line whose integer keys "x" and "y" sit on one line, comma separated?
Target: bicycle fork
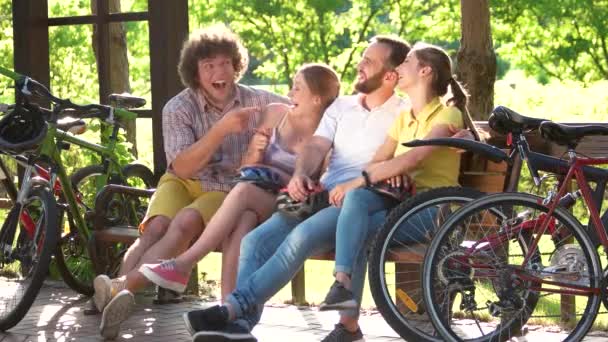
{"x": 9, "y": 227}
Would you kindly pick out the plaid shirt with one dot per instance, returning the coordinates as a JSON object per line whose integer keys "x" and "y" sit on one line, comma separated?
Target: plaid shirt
{"x": 187, "y": 118}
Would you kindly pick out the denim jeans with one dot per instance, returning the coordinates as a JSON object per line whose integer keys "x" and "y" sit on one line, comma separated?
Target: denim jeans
{"x": 363, "y": 212}
{"x": 275, "y": 251}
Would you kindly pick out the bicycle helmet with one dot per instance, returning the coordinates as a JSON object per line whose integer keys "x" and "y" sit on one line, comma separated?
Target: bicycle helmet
{"x": 22, "y": 129}
{"x": 262, "y": 177}
{"x": 317, "y": 200}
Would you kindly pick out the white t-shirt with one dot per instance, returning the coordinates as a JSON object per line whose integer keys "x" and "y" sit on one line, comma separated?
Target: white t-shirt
{"x": 356, "y": 133}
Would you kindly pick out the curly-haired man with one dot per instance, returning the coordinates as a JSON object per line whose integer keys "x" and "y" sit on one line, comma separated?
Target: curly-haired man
{"x": 206, "y": 130}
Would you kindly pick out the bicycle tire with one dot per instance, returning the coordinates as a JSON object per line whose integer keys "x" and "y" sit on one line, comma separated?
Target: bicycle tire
{"x": 78, "y": 271}
{"x": 410, "y": 325}
{"x": 501, "y": 213}
{"x": 38, "y": 271}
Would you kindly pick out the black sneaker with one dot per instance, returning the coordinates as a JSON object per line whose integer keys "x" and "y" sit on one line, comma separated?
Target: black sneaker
{"x": 340, "y": 334}
{"x": 231, "y": 332}
{"x": 338, "y": 298}
{"x": 213, "y": 318}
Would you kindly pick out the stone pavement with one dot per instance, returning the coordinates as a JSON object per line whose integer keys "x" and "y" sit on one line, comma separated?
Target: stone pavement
{"x": 58, "y": 315}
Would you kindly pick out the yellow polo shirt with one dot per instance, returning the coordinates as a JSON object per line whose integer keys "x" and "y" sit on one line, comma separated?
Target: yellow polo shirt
{"x": 441, "y": 168}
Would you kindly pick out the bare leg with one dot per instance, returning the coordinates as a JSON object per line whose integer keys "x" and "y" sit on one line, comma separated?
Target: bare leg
{"x": 350, "y": 323}
{"x": 185, "y": 226}
{"x": 231, "y": 248}
{"x": 155, "y": 229}
{"x": 243, "y": 197}
{"x": 344, "y": 278}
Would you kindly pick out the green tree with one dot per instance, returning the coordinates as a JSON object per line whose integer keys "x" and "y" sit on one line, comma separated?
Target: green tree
{"x": 564, "y": 39}
{"x": 283, "y": 34}
{"x": 6, "y": 48}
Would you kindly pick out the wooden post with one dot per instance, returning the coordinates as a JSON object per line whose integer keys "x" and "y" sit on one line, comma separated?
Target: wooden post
{"x": 168, "y": 31}
{"x": 31, "y": 40}
{"x": 298, "y": 288}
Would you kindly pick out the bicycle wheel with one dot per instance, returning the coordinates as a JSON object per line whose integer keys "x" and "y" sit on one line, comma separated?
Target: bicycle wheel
{"x": 484, "y": 277}
{"x": 396, "y": 258}
{"x": 72, "y": 257}
{"x": 25, "y": 264}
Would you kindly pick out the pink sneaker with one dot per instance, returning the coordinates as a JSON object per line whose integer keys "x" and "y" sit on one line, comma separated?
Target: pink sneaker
{"x": 165, "y": 275}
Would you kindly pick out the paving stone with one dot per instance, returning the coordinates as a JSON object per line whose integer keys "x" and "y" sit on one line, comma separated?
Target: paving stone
{"x": 58, "y": 315}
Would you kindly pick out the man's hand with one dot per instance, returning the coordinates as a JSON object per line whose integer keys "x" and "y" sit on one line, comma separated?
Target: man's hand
{"x": 261, "y": 139}
{"x": 237, "y": 120}
{"x": 337, "y": 194}
{"x": 300, "y": 186}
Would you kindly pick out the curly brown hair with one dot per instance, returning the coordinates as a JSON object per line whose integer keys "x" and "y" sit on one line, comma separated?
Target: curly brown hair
{"x": 207, "y": 43}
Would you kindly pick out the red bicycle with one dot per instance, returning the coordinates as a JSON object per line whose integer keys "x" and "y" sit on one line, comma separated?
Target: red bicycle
{"x": 511, "y": 259}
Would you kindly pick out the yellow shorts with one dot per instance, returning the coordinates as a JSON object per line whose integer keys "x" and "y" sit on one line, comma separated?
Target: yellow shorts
{"x": 173, "y": 194}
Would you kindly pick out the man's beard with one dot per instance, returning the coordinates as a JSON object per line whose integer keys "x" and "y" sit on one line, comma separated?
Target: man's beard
{"x": 371, "y": 84}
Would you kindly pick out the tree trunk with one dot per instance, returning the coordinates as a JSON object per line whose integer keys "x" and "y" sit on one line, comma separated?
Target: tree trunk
{"x": 119, "y": 64}
{"x": 476, "y": 60}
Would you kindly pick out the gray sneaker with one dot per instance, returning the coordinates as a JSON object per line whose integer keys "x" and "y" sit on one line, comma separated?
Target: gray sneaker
{"x": 116, "y": 312}
{"x": 340, "y": 334}
{"x": 232, "y": 332}
{"x": 338, "y": 298}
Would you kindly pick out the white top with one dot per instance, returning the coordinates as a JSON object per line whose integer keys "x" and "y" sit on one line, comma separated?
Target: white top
{"x": 356, "y": 133}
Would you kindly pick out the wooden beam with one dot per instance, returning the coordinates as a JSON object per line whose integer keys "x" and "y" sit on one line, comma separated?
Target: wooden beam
{"x": 31, "y": 40}
{"x": 168, "y": 30}
{"x": 92, "y": 19}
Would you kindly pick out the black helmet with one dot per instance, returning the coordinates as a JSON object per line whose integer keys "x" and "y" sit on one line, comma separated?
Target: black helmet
{"x": 261, "y": 176}
{"x": 315, "y": 201}
{"x": 22, "y": 129}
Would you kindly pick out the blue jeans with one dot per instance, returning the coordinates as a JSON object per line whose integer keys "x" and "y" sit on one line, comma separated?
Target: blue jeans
{"x": 363, "y": 213}
{"x": 355, "y": 227}
{"x": 275, "y": 251}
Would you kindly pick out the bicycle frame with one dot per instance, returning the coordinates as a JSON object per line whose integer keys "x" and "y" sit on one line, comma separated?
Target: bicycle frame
{"x": 50, "y": 148}
{"x": 577, "y": 169}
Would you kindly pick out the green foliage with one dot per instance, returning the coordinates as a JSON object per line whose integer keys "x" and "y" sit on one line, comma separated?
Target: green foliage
{"x": 6, "y": 48}
{"x": 562, "y": 39}
{"x": 281, "y": 35}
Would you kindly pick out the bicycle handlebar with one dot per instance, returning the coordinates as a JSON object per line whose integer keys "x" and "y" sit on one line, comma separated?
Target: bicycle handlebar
{"x": 9, "y": 73}
{"x": 29, "y": 86}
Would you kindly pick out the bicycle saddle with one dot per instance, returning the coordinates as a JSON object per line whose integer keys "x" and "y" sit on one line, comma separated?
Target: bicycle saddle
{"x": 72, "y": 125}
{"x": 126, "y": 100}
{"x": 504, "y": 121}
{"x": 569, "y": 135}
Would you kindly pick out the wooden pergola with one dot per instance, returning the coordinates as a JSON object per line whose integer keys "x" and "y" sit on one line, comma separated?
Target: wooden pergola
{"x": 168, "y": 28}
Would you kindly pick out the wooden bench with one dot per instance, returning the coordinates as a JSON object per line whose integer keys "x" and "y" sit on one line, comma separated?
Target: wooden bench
{"x": 484, "y": 176}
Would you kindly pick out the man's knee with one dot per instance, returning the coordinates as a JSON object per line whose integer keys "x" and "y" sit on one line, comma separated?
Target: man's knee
{"x": 188, "y": 222}
{"x": 155, "y": 229}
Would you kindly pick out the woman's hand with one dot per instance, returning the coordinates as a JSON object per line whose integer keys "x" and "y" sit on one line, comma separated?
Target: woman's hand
{"x": 461, "y": 133}
{"x": 337, "y": 194}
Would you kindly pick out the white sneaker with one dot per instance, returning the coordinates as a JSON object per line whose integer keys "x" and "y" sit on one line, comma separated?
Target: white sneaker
{"x": 103, "y": 291}
{"x": 116, "y": 312}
